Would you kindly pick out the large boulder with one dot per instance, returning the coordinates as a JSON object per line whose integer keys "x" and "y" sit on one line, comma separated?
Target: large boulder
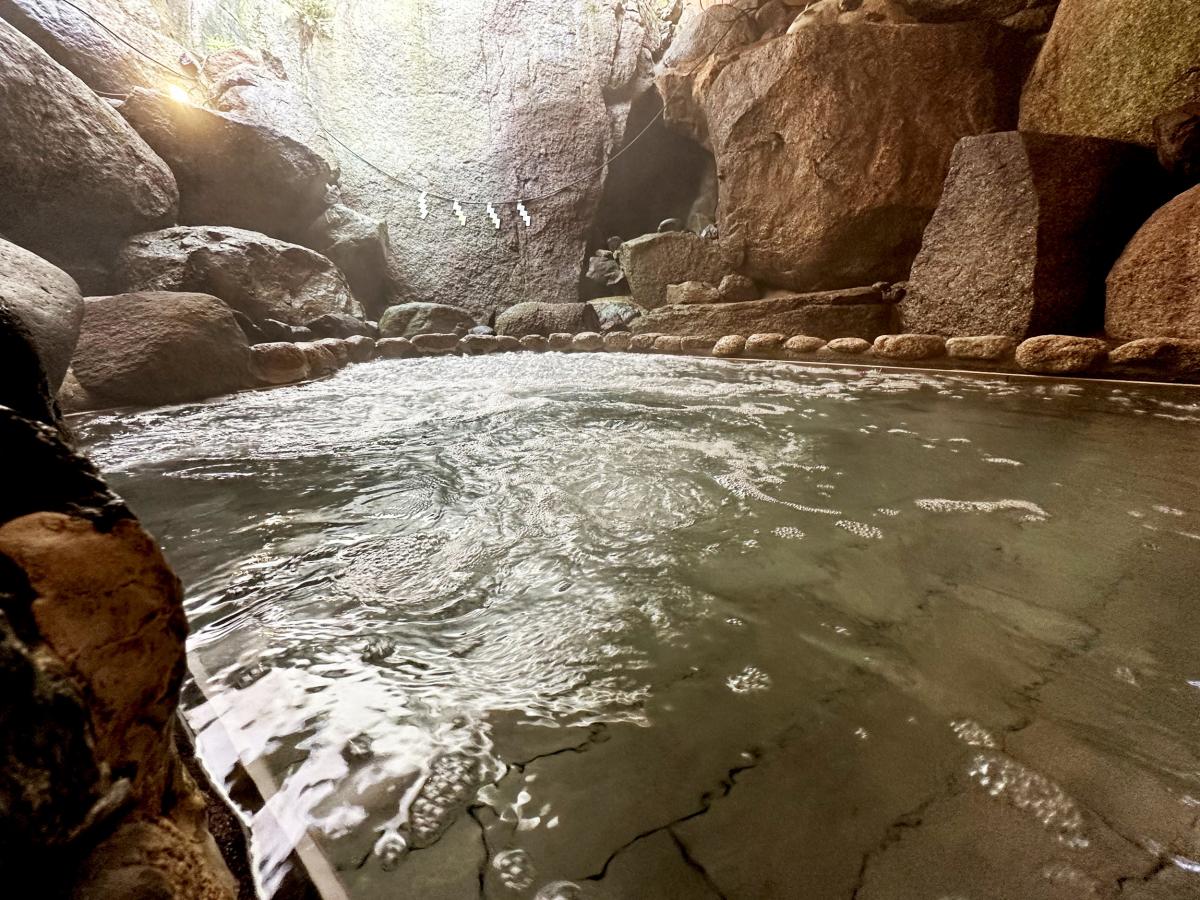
{"x": 77, "y": 180}
{"x": 547, "y": 318}
{"x": 1027, "y": 227}
{"x": 47, "y": 302}
{"x": 259, "y": 276}
{"x": 615, "y": 313}
{"x": 154, "y": 347}
{"x": 74, "y": 37}
{"x": 1154, "y": 289}
{"x": 358, "y": 246}
{"x": 703, "y": 32}
{"x": 830, "y": 164}
{"x": 861, "y": 312}
{"x": 411, "y": 319}
{"x": 655, "y": 261}
{"x": 1110, "y": 66}
{"x": 232, "y": 172}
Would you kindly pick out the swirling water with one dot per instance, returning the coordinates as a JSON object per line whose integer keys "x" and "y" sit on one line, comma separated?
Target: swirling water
{"x": 613, "y": 626}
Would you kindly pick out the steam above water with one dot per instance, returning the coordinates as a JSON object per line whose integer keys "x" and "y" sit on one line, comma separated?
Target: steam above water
{"x": 441, "y": 598}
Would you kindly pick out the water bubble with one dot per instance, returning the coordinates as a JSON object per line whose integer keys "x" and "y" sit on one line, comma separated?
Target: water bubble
{"x": 1031, "y": 792}
{"x": 858, "y": 529}
{"x": 973, "y": 734}
{"x": 515, "y": 868}
{"x": 378, "y": 649}
{"x": 748, "y": 680}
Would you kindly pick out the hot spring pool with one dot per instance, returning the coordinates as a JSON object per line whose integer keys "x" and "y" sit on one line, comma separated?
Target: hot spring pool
{"x": 650, "y": 628}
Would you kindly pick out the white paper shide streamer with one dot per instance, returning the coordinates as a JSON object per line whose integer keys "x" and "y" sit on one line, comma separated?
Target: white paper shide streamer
{"x": 494, "y": 216}
{"x": 525, "y": 214}
{"x": 423, "y": 204}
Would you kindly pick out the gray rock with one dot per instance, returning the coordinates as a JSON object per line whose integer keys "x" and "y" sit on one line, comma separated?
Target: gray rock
{"x": 802, "y": 345}
{"x": 257, "y": 275}
{"x": 588, "y": 342}
{"x": 982, "y": 348}
{"x": 478, "y": 344}
{"x": 48, "y": 304}
{"x": 617, "y": 341}
{"x": 153, "y": 348}
{"x": 1027, "y": 226}
{"x": 615, "y": 313}
{"x": 655, "y": 261}
{"x": 482, "y": 329}
{"x": 692, "y": 292}
{"x": 278, "y": 363}
{"x": 410, "y": 319}
{"x": 395, "y": 348}
{"x": 232, "y": 172}
{"x": 547, "y": 318}
{"x": 859, "y": 312}
{"x": 507, "y": 343}
{"x": 730, "y": 345}
{"x": 910, "y": 347}
{"x": 643, "y": 343}
{"x": 737, "y": 289}
{"x": 696, "y": 345}
{"x": 338, "y": 325}
{"x": 436, "y": 344}
{"x": 703, "y": 32}
{"x": 362, "y": 348}
{"x": 767, "y": 345}
{"x": 535, "y": 342}
{"x": 773, "y": 18}
{"x": 359, "y": 247}
{"x": 604, "y": 271}
{"x": 1060, "y": 354}
{"x": 559, "y": 340}
{"x": 668, "y": 343}
{"x": 847, "y": 346}
{"x": 77, "y": 179}
{"x": 1177, "y": 138}
{"x": 321, "y": 359}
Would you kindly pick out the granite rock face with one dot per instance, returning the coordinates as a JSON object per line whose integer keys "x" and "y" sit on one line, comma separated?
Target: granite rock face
{"x": 357, "y": 245}
{"x": 155, "y": 347}
{"x": 1026, "y": 229}
{"x": 77, "y": 180}
{"x": 257, "y": 275}
{"x": 861, "y": 312}
{"x": 410, "y": 319}
{"x": 831, "y": 166}
{"x": 232, "y": 172}
{"x": 1110, "y": 66}
{"x": 653, "y": 262}
{"x": 48, "y": 304}
{"x": 1154, "y": 289}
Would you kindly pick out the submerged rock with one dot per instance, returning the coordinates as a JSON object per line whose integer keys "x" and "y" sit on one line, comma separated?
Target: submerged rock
{"x": 860, "y": 312}
{"x": 1060, "y": 354}
{"x": 77, "y": 180}
{"x": 278, "y": 363}
{"x": 47, "y": 302}
{"x": 547, "y": 318}
{"x": 653, "y": 262}
{"x": 1154, "y": 289}
{"x": 410, "y": 319}
{"x": 259, "y": 276}
{"x": 831, "y": 166}
{"x": 1108, "y": 68}
{"x": 155, "y": 347}
{"x": 232, "y": 172}
{"x": 1027, "y": 226}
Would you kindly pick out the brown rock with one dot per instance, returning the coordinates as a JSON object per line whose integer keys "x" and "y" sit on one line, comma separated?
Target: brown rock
{"x": 861, "y": 311}
{"x": 738, "y": 289}
{"x": 362, "y": 348}
{"x": 506, "y": 343}
{"x": 547, "y": 318}
{"x": 765, "y": 345}
{"x": 559, "y": 340}
{"x": 410, "y": 319}
{"x": 830, "y": 165}
{"x": 704, "y": 32}
{"x": 655, "y": 261}
{"x": 278, "y": 363}
{"x": 696, "y": 345}
{"x": 1060, "y": 354}
{"x": 1160, "y": 357}
{"x": 232, "y": 172}
{"x": 1110, "y": 66}
{"x": 157, "y": 347}
{"x": 321, "y": 359}
{"x": 588, "y": 341}
{"x": 257, "y": 275}
{"x": 692, "y": 292}
{"x": 1177, "y": 138}
{"x": 47, "y": 302}
{"x": 395, "y": 348}
{"x": 848, "y": 346}
{"x": 773, "y": 19}
{"x": 1026, "y": 228}
{"x": 77, "y": 179}
{"x": 643, "y": 343}
{"x": 1154, "y": 289}
{"x": 802, "y": 345}
{"x": 436, "y": 344}
{"x": 668, "y": 343}
{"x": 961, "y": 10}
{"x": 729, "y": 345}
{"x": 617, "y": 341}
{"x": 837, "y": 12}
{"x": 984, "y": 348}
{"x": 909, "y": 346}
{"x": 338, "y": 348}
{"x": 537, "y": 342}
{"x": 478, "y": 344}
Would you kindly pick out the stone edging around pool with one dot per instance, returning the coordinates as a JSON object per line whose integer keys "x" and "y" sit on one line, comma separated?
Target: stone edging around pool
{"x": 1169, "y": 360}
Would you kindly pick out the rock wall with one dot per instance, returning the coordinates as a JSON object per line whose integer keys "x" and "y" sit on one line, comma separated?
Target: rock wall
{"x": 500, "y": 100}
